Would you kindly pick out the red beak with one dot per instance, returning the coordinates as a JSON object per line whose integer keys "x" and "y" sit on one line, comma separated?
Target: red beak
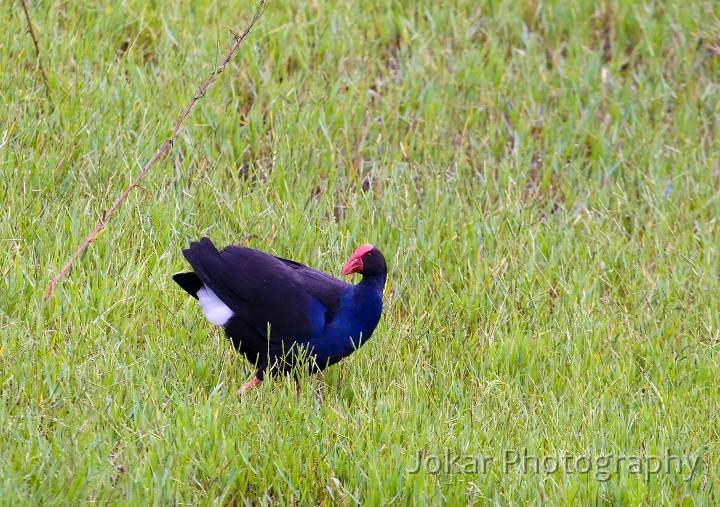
{"x": 355, "y": 263}
{"x": 352, "y": 266}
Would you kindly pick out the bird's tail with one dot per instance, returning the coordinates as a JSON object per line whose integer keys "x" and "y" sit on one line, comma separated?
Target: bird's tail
{"x": 189, "y": 282}
{"x": 198, "y": 254}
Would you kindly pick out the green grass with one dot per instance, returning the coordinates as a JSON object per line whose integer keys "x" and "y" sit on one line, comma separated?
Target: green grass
{"x": 542, "y": 177}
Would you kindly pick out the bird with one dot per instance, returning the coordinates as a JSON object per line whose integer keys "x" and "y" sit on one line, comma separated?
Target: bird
{"x": 276, "y": 311}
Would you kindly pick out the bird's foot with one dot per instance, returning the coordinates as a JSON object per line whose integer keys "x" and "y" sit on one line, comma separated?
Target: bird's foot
{"x": 249, "y": 385}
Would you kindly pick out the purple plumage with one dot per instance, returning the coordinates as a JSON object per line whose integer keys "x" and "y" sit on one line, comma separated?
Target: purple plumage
{"x": 272, "y": 308}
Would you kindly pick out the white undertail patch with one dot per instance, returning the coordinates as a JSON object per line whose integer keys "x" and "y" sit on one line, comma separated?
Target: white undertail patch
{"x": 213, "y": 308}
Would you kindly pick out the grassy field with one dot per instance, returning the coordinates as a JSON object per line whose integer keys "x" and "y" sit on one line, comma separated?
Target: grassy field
{"x": 543, "y": 178}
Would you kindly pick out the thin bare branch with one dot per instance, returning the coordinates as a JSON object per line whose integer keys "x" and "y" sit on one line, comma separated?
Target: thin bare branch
{"x": 37, "y": 50}
{"x": 166, "y": 145}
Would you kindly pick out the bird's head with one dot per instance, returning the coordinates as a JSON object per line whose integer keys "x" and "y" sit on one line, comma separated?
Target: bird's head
{"x": 366, "y": 260}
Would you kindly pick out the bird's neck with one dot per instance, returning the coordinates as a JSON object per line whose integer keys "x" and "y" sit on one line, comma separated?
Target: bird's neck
{"x": 366, "y": 307}
{"x": 372, "y": 284}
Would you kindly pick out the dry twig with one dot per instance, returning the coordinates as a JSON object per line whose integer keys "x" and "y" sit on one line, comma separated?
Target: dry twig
{"x": 37, "y": 49}
{"x": 239, "y": 38}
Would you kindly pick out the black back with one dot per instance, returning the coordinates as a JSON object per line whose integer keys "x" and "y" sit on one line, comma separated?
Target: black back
{"x": 259, "y": 288}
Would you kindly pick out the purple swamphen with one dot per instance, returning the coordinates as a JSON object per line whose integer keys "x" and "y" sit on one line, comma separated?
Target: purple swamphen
{"x": 273, "y": 309}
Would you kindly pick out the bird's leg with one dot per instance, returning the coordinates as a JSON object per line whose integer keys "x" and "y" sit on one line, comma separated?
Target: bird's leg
{"x": 249, "y": 385}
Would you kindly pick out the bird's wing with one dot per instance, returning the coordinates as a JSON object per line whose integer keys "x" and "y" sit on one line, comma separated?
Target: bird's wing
{"x": 260, "y": 289}
{"x": 325, "y": 288}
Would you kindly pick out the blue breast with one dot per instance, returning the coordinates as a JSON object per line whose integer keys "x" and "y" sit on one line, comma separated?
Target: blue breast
{"x": 357, "y": 317}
